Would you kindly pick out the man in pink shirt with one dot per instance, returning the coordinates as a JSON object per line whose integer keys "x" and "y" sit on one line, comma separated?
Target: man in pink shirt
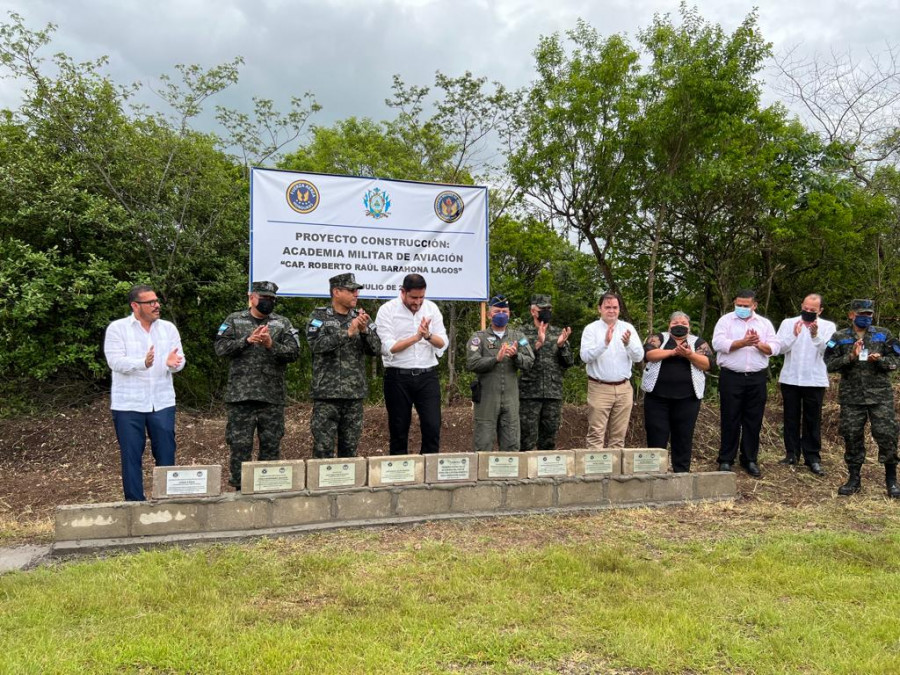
{"x": 743, "y": 341}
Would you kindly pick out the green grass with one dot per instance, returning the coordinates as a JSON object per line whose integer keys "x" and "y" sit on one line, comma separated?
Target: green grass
{"x": 691, "y": 590}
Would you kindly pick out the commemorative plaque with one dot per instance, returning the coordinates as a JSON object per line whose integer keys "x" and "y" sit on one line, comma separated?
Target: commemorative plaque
{"x": 602, "y": 462}
{"x": 396, "y": 470}
{"x": 544, "y": 464}
{"x": 457, "y": 467}
{"x": 186, "y": 481}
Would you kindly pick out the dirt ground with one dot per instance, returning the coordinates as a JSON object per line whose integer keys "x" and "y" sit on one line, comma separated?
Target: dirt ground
{"x": 70, "y": 456}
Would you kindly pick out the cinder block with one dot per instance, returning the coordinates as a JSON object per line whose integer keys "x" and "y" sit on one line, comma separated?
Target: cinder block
{"x": 187, "y": 481}
{"x": 364, "y": 505}
{"x": 627, "y": 489}
{"x": 529, "y": 495}
{"x": 644, "y": 460}
{"x": 423, "y": 502}
{"x": 167, "y": 518}
{"x": 334, "y": 474}
{"x": 502, "y": 466}
{"x": 581, "y": 493}
{"x": 550, "y": 464}
{"x": 92, "y": 521}
{"x": 456, "y": 467}
{"x": 715, "y": 485}
{"x": 300, "y": 510}
{"x": 481, "y": 497}
{"x": 604, "y": 462}
{"x": 396, "y": 470}
{"x": 284, "y": 475}
{"x": 672, "y": 487}
{"x": 237, "y": 513}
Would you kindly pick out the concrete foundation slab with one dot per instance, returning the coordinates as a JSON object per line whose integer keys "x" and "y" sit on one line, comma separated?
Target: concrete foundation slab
{"x": 167, "y": 517}
{"x": 715, "y": 485}
{"x": 582, "y": 493}
{"x": 237, "y": 513}
{"x": 363, "y": 505}
{"x": 672, "y": 487}
{"x": 300, "y": 509}
{"x": 480, "y": 497}
{"x": 425, "y": 502}
{"x": 92, "y": 521}
{"x": 627, "y": 489}
{"x": 532, "y": 495}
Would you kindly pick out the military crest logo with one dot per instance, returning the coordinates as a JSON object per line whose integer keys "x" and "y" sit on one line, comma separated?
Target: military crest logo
{"x": 448, "y": 206}
{"x": 303, "y": 196}
{"x": 377, "y": 203}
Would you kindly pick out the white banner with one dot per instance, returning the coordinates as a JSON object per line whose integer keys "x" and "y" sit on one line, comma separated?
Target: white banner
{"x": 307, "y": 227}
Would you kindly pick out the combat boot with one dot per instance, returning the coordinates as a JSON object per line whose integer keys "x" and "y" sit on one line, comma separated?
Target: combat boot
{"x": 853, "y": 484}
{"x": 890, "y": 480}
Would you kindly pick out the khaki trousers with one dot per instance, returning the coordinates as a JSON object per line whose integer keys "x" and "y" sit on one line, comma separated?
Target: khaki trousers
{"x": 609, "y": 409}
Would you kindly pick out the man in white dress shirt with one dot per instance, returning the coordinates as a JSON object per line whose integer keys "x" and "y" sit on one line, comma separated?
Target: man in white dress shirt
{"x": 143, "y": 351}
{"x": 609, "y": 349}
{"x": 743, "y": 341}
{"x": 412, "y": 339}
{"x": 804, "y": 380}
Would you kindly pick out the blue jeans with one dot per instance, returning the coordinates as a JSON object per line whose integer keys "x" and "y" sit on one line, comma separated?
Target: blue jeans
{"x": 132, "y": 429}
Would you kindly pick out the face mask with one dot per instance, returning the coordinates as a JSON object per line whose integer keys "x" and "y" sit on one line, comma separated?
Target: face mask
{"x": 678, "y": 331}
{"x": 808, "y": 317}
{"x": 265, "y": 305}
{"x": 862, "y": 321}
{"x": 743, "y": 312}
{"x": 500, "y": 320}
{"x": 544, "y": 315}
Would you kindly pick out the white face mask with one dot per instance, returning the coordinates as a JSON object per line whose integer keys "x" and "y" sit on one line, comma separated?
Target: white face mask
{"x": 743, "y": 312}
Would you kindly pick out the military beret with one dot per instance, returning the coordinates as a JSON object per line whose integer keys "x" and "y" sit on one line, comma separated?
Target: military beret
{"x": 346, "y": 280}
{"x": 499, "y": 301}
{"x": 862, "y": 305}
{"x": 264, "y": 288}
{"x": 541, "y": 301}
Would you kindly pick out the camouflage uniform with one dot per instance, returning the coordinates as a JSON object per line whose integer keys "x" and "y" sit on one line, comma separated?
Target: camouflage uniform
{"x": 497, "y": 414}
{"x": 255, "y": 393}
{"x": 541, "y": 390}
{"x": 339, "y": 380}
{"x": 865, "y": 392}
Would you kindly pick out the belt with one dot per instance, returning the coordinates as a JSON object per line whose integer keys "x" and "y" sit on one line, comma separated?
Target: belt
{"x": 611, "y": 384}
{"x": 743, "y": 374}
{"x": 412, "y": 371}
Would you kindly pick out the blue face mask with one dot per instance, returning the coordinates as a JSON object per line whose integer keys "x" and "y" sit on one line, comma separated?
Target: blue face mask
{"x": 743, "y": 312}
{"x": 862, "y": 321}
{"x": 500, "y": 320}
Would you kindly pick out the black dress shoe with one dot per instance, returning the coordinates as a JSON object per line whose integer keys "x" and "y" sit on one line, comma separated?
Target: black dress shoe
{"x": 753, "y": 469}
{"x": 817, "y": 469}
{"x": 724, "y": 466}
{"x": 788, "y": 460}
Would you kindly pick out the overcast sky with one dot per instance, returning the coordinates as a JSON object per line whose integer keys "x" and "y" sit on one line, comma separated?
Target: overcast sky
{"x": 346, "y": 51}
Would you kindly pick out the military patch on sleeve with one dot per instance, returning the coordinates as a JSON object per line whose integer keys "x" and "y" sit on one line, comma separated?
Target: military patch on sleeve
{"x": 878, "y": 337}
{"x": 474, "y": 343}
{"x": 223, "y": 328}
{"x": 294, "y": 333}
{"x": 315, "y": 323}
{"x": 830, "y": 344}
{"x": 523, "y": 342}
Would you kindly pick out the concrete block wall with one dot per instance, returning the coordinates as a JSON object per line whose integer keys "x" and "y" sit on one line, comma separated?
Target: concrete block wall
{"x": 92, "y": 526}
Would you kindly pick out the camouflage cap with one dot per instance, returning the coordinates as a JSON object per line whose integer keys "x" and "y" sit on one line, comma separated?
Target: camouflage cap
{"x": 264, "y": 288}
{"x": 862, "y": 305}
{"x": 346, "y": 280}
{"x": 541, "y": 301}
{"x": 498, "y": 301}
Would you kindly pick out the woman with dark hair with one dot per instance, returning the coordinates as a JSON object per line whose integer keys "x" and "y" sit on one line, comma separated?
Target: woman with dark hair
{"x": 674, "y": 381}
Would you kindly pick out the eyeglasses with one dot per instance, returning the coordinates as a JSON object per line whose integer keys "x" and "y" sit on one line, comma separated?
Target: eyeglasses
{"x": 155, "y": 301}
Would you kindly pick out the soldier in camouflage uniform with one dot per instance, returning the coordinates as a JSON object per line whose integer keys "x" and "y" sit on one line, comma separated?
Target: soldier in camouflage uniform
{"x": 340, "y": 336}
{"x": 260, "y": 345}
{"x": 541, "y": 388}
{"x": 495, "y": 354}
{"x": 865, "y": 355}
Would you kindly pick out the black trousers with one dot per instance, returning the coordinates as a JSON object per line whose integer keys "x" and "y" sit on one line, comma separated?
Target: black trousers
{"x": 403, "y": 389}
{"x": 803, "y": 421}
{"x": 672, "y": 418}
{"x": 742, "y": 402}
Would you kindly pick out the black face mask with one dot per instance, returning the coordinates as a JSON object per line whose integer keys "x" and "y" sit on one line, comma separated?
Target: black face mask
{"x": 678, "y": 331}
{"x": 808, "y": 317}
{"x": 544, "y": 315}
{"x": 265, "y": 305}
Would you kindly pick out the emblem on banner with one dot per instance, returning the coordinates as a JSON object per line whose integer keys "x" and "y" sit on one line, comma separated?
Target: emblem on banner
{"x": 448, "y": 206}
{"x": 303, "y": 196}
{"x": 377, "y": 203}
